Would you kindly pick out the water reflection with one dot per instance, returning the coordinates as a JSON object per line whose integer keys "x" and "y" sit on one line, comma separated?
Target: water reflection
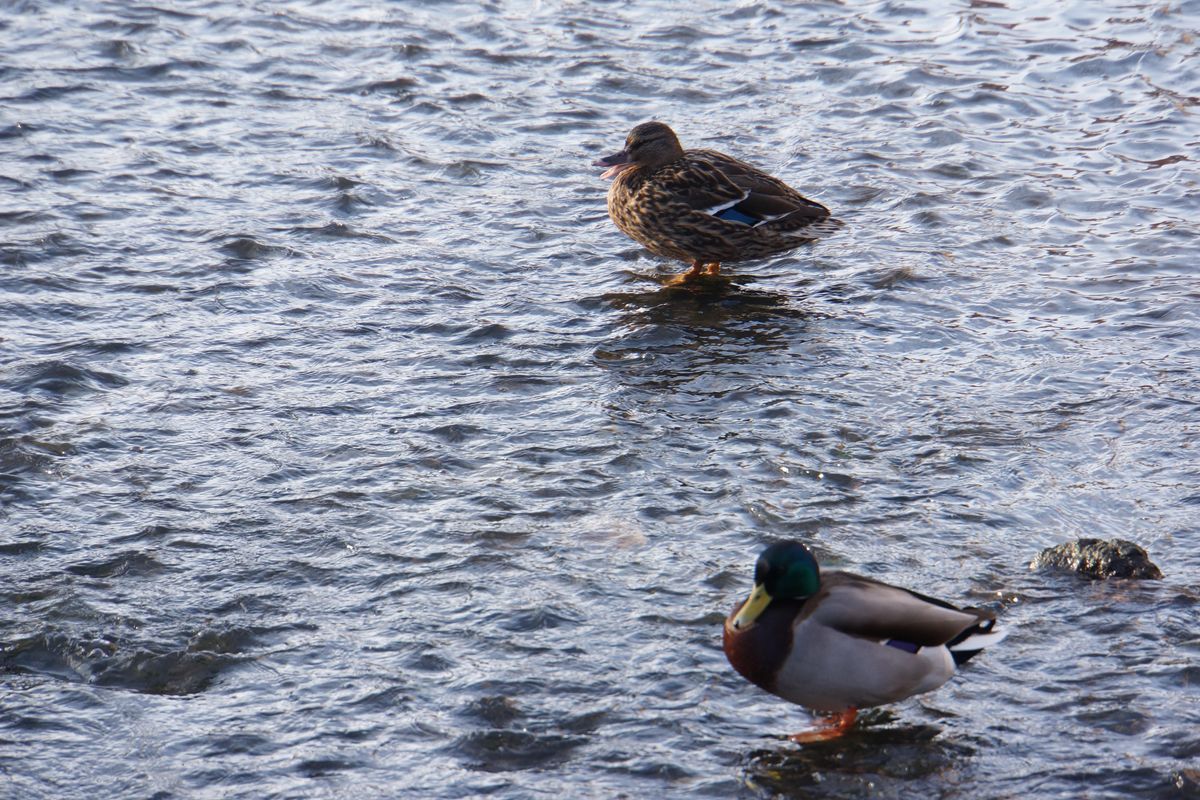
{"x": 710, "y": 303}
{"x": 871, "y": 760}
{"x": 672, "y": 335}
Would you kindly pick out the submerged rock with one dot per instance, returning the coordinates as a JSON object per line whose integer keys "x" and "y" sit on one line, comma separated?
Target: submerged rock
{"x": 1096, "y": 558}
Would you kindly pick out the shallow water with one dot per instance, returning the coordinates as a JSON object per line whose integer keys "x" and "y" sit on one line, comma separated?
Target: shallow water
{"x": 348, "y": 450}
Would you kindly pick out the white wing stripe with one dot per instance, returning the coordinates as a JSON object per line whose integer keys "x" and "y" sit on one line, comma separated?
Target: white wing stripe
{"x": 718, "y": 209}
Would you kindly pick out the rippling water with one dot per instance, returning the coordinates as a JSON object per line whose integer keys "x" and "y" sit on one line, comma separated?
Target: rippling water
{"x": 347, "y": 449}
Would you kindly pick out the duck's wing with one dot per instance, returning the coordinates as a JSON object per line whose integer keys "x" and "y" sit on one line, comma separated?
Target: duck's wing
{"x": 698, "y": 185}
{"x": 764, "y": 198}
{"x": 858, "y": 606}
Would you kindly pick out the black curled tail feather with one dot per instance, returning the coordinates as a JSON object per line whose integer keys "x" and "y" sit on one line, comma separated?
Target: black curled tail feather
{"x": 974, "y": 639}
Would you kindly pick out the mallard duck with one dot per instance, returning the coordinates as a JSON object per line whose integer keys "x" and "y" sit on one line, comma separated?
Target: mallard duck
{"x": 702, "y": 206}
{"x": 837, "y": 642}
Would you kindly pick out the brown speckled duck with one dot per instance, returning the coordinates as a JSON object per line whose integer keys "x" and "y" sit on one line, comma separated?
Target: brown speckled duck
{"x": 837, "y": 642}
{"x": 702, "y": 206}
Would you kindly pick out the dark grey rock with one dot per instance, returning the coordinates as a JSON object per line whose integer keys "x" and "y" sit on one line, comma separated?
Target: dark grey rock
{"x": 1096, "y": 558}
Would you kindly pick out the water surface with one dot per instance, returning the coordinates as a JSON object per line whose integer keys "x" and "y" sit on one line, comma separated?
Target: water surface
{"x": 348, "y": 450}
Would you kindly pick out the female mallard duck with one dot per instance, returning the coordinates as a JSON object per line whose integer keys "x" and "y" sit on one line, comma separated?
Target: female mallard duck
{"x": 839, "y": 642}
{"x": 702, "y": 206}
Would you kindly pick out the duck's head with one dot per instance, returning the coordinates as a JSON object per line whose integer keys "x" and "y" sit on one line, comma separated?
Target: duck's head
{"x": 786, "y": 571}
{"x": 651, "y": 144}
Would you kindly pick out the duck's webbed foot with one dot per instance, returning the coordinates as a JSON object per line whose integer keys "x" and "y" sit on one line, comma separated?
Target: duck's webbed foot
{"x": 699, "y": 270}
{"x": 830, "y": 727}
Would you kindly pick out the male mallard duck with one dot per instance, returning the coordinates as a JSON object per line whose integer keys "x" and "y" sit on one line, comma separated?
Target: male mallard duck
{"x": 839, "y": 642}
{"x": 700, "y": 205}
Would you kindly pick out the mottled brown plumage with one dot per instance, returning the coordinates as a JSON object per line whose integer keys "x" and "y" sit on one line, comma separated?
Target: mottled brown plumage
{"x": 702, "y": 206}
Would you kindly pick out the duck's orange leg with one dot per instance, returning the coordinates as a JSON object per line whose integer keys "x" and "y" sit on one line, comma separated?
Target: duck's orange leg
{"x": 830, "y": 727}
{"x": 712, "y": 268}
{"x": 696, "y": 271}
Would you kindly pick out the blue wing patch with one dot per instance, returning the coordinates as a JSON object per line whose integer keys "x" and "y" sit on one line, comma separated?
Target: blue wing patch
{"x": 907, "y": 647}
{"x": 733, "y": 215}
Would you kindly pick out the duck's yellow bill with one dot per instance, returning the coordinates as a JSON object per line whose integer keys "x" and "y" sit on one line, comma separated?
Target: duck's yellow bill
{"x": 755, "y": 604}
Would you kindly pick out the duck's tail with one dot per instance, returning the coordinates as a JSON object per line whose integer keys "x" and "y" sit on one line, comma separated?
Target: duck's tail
{"x": 974, "y": 639}
{"x": 816, "y": 229}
